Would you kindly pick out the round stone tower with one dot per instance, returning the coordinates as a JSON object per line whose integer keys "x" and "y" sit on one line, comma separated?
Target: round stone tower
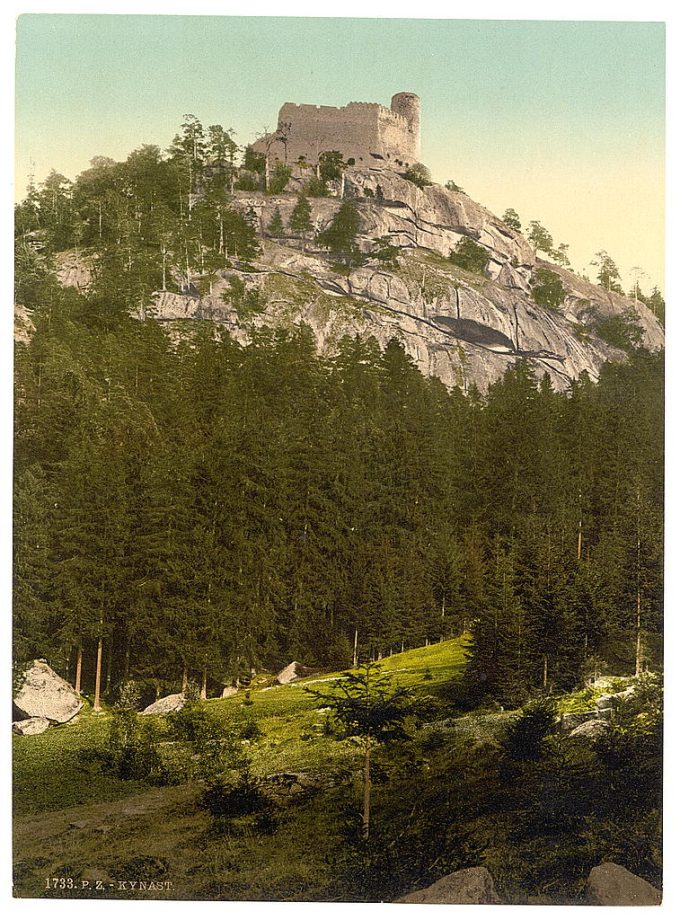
{"x": 408, "y": 105}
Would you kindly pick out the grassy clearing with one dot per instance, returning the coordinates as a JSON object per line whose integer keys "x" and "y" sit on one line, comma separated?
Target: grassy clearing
{"x": 293, "y": 735}
{"x": 52, "y": 771}
{"x": 74, "y": 820}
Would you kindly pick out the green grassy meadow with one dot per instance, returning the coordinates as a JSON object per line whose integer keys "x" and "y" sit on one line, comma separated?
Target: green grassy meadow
{"x": 73, "y": 819}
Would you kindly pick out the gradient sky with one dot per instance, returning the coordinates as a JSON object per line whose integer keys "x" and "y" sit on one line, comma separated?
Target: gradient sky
{"x": 564, "y": 121}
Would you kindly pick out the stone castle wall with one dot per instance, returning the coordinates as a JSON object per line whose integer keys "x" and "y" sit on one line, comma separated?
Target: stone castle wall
{"x": 365, "y": 132}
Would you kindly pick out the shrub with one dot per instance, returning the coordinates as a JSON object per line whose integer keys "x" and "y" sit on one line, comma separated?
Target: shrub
{"x": 193, "y": 725}
{"x": 279, "y": 179}
{"x": 247, "y": 302}
{"x": 622, "y": 330}
{"x": 229, "y": 798}
{"x": 470, "y": 256}
{"x": 547, "y": 289}
{"x": 131, "y": 750}
{"x": 453, "y": 186}
{"x": 204, "y": 747}
{"x": 419, "y": 175}
{"x": 248, "y": 182}
{"x": 251, "y": 731}
{"x": 526, "y": 735}
{"x": 316, "y": 188}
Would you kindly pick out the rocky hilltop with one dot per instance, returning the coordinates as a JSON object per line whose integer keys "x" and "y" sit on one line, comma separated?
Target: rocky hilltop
{"x": 463, "y": 327}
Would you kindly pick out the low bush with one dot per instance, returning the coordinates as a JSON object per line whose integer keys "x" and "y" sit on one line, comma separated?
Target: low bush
{"x": 419, "y": 175}
{"x": 131, "y": 751}
{"x": 547, "y": 289}
{"x": 279, "y": 179}
{"x": 622, "y": 330}
{"x": 470, "y": 256}
{"x": 316, "y": 188}
{"x": 528, "y": 732}
{"x": 227, "y": 798}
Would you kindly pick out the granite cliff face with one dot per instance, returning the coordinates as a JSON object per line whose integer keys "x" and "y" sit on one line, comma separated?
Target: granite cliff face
{"x": 459, "y": 326}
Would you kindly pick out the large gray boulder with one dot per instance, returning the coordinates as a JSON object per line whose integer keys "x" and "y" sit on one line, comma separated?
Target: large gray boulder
{"x": 590, "y": 730}
{"x": 164, "y": 705}
{"x": 293, "y": 671}
{"x": 45, "y": 695}
{"x": 467, "y": 886}
{"x": 610, "y": 885}
{"x": 228, "y": 691}
{"x": 35, "y": 726}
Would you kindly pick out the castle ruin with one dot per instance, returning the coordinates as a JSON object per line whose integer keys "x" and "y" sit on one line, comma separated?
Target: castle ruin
{"x": 365, "y": 133}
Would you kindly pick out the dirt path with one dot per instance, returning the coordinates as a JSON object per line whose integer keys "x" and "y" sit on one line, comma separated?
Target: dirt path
{"x": 134, "y": 847}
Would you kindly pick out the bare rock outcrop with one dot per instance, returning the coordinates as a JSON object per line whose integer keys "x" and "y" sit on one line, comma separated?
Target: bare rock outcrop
{"x": 610, "y": 885}
{"x": 463, "y": 328}
{"x": 23, "y": 324}
{"x": 44, "y": 694}
{"x": 467, "y": 886}
{"x": 73, "y": 270}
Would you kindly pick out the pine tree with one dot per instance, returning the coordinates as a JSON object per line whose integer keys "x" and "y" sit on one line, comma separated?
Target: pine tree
{"x": 364, "y": 705}
{"x": 300, "y": 218}
{"x": 276, "y": 227}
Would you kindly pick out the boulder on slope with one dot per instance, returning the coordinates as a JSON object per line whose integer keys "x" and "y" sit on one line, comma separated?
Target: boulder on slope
{"x": 611, "y": 885}
{"x": 590, "y": 730}
{"x": 164, "y": 705}
{"x": 35, "y": 726}
{"x": 467, "y": 886}
{"x": 45, "y": 695}
{"x": 293, "y": 671}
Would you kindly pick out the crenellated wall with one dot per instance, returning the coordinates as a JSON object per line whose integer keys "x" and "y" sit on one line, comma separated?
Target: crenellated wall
{"x": 365, "y": 132}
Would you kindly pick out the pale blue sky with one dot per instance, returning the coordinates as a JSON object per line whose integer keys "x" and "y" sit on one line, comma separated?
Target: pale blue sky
{"x": 562, "y": 121}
